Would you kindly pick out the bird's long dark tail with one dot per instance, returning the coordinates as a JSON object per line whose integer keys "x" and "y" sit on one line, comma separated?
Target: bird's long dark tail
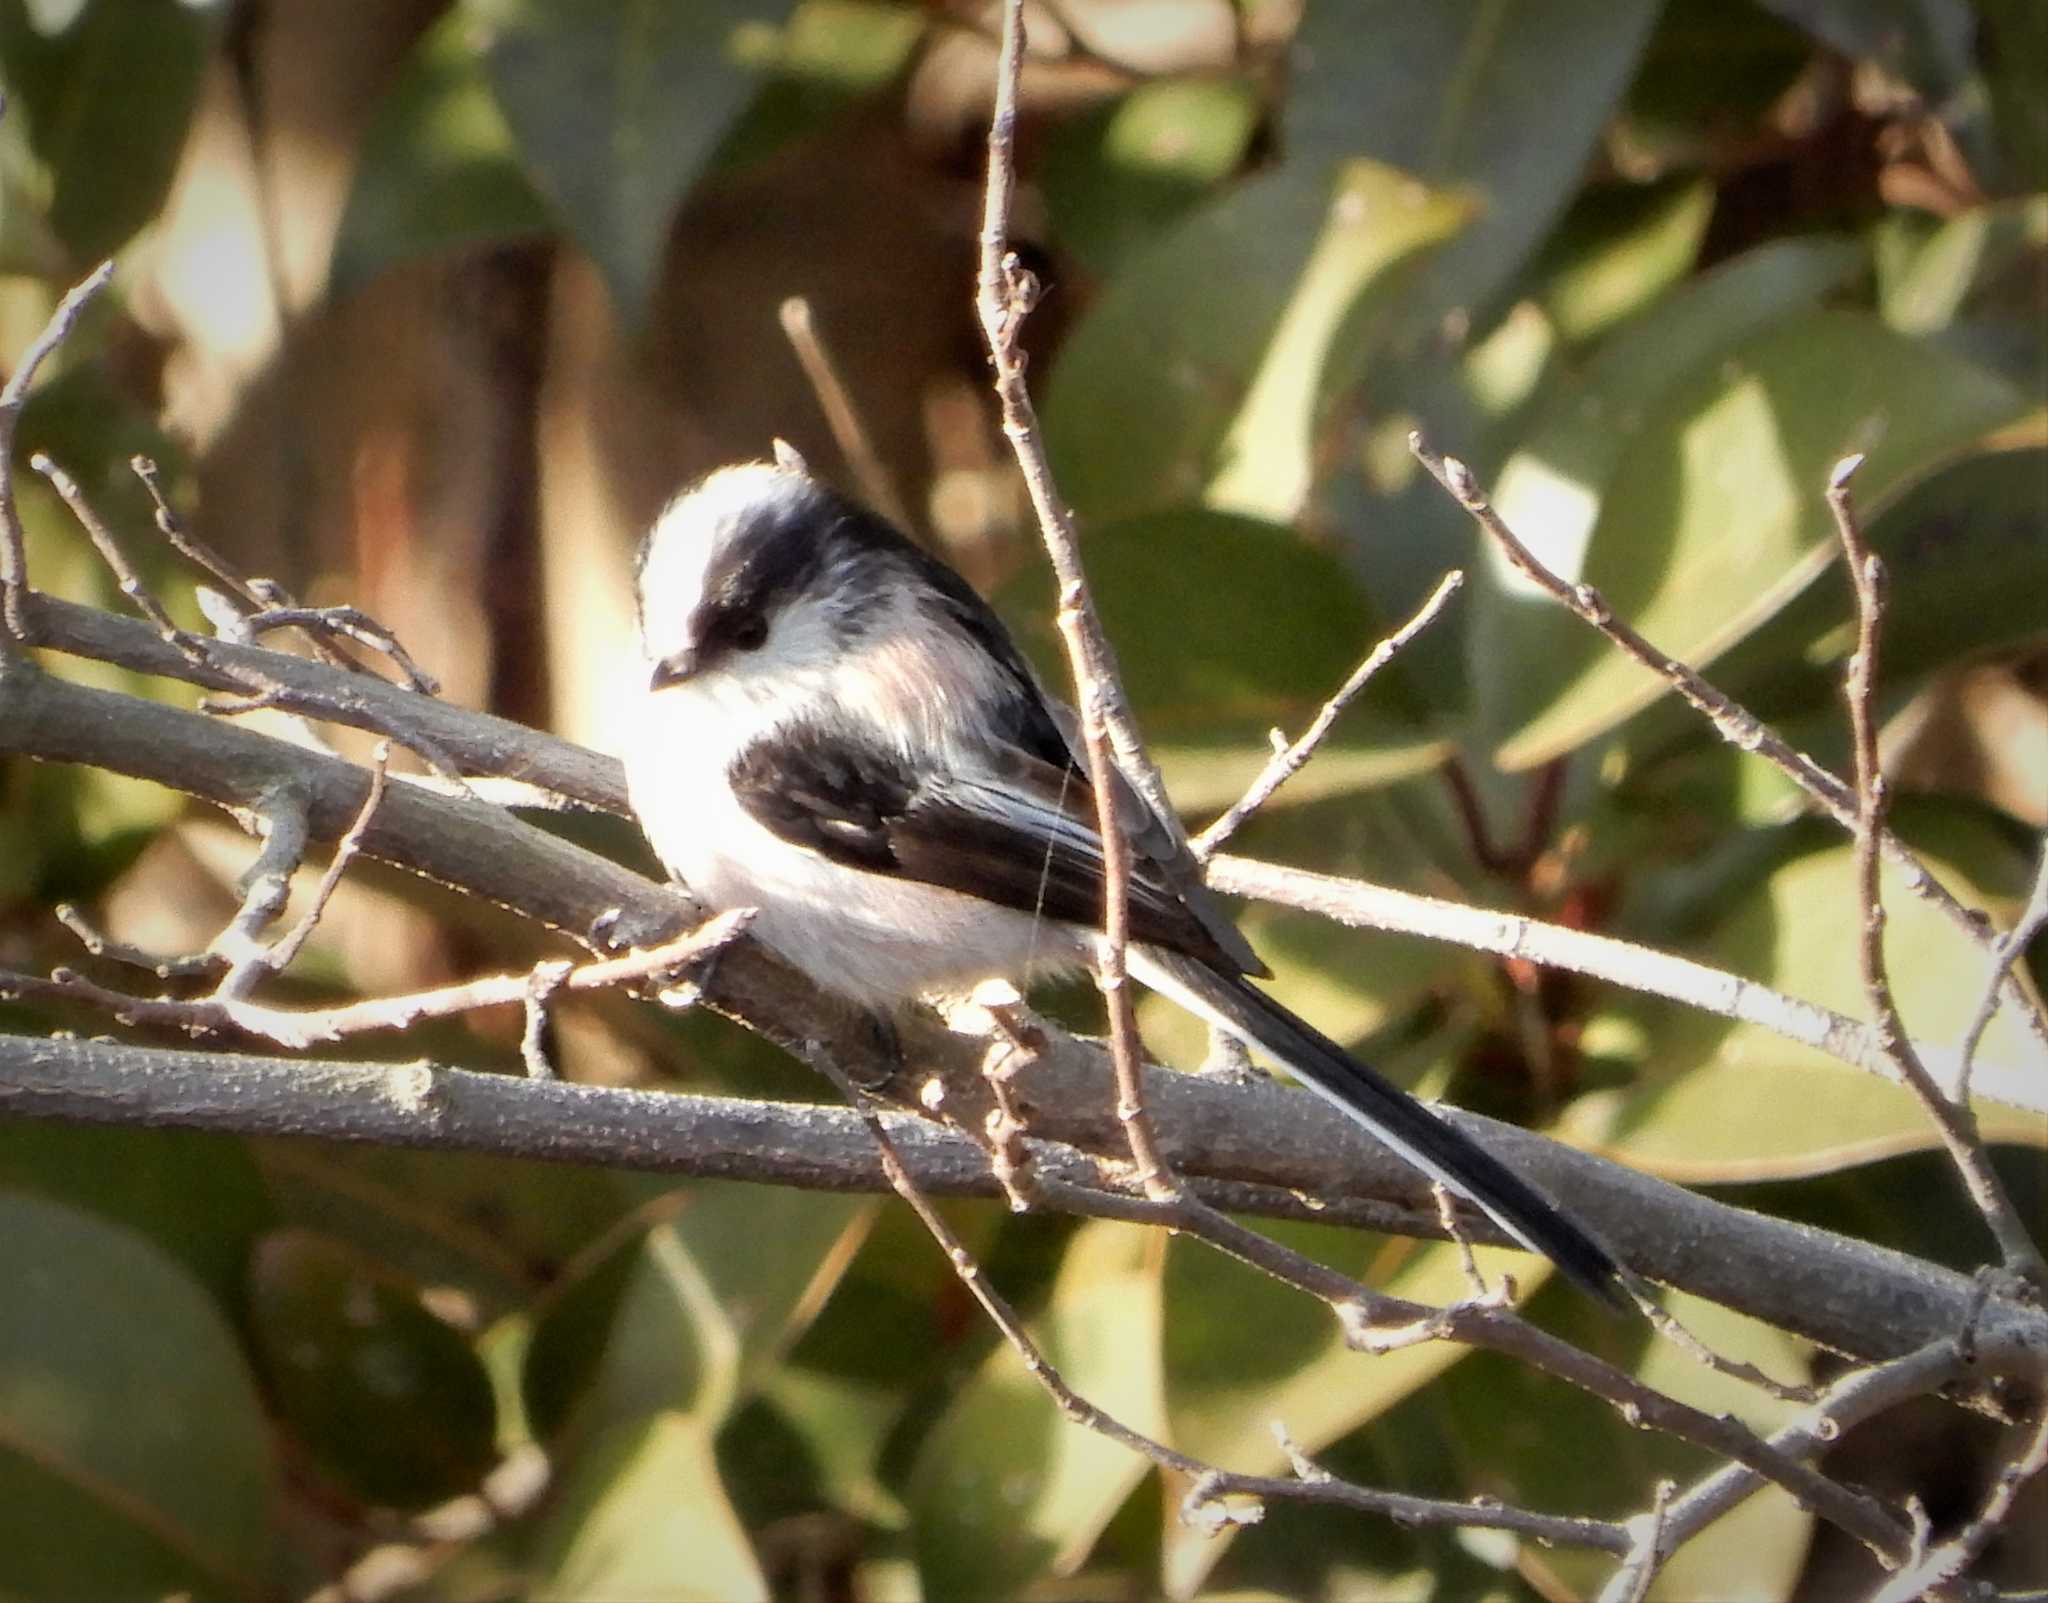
{"x": 1438, "y": 1148}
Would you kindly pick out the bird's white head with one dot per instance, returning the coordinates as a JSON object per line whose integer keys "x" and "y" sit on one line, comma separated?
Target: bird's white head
{"x": 746, "y": 575}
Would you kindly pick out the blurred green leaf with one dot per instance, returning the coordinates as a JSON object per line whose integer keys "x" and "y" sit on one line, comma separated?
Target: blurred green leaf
{"x": 845, "y": 1424}
{"x": 1929, "y": 275}
{"x": 1005, "y": 1485}
{"x": 1711, "y": 1103}
{"x": 438, "y": 168}
{"x": 107, "y": 100}
{"x": 134, "y": 1456}
{"x": 1445, "y": 91}
{"x": 1710, "y": 75}
{"x": 1353, "y": 279}
{"x": 829, "y": 56}
{"x": 1208, "y": 682}
{"x": 1619, "y": 249}
{"x": 690, "y": 1311}
{"x": 387, "y": 1398}
{"x": 198, "y": 1198}
{"x": 1966, "y": 558}
{"x": 644, "y": 1515}
{"x": 616, "y": 107}
{"x": 1115, "y": 178}
{"x": 1716, "y": 518}
{"x": 492, "y": 1228}
{"x": 1205, "y": 357}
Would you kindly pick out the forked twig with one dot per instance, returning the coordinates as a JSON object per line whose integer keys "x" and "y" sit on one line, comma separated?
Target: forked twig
{"x": 1006, "y": 295}
{"x": 1289, "y": 760}
{"x": 2033, "y": 918}
{"x": 1736, "y": 724}
{"x": 1953, "y": 1119}
{"x": 13, "y": 541}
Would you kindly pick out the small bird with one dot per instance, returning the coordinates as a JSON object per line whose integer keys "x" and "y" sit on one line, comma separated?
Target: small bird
{"x": 839, "y": 733}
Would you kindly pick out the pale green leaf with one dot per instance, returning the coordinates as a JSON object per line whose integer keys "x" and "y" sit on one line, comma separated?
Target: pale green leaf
{"x": 1005, "y": 1485}
{"x": 643, "y": 1514}
{"x": 1714, "y": 1098}
{"x": 1715, "y": 518}
{"x": 1553, "y": 486}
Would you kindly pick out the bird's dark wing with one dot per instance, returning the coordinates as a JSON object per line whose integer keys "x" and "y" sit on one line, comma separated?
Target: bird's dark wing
{"x": 1021, "y": 835}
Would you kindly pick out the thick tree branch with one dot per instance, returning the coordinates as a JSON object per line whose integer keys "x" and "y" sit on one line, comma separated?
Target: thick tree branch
{"x": 1855, "y": 1298}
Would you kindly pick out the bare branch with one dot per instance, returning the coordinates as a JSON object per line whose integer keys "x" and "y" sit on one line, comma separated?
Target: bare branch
{"x": 13, "y": 542}
{"x": 1006, "y": 296}
{"x": 1736, "y": 724}
{"x": 346, "y": 623}
{"x": 1861, "y": 1395}
{"x": 99, "y": 944}
{"x": 877, "y": 488}
{"x": 125, "y": 576}
{"x": 190, "y": 546}
{"x": 478, "y": 743}
{"x": 1287, "y": 761}
{"x": 279, "y": 957}
{"x": 1854, "y": 1298}
{"x": 1636, "y": 968}
{"x": 2005, "y": 952}
{"x": 229, "y": 1012}
{"x": 1947, "y": 1562}
{"x": 1954, "y": 1120}
{"x": 1211, "y": 1483}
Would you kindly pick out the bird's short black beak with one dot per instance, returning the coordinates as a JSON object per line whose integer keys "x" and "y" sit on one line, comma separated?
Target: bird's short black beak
{"x": 673, "y": 669}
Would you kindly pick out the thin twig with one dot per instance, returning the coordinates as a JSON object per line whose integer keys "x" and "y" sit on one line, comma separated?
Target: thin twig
{"x": 541, "y": 985}
{"x": 1954, "y": 1120}
{"x": 1447, "y": 1211}
{"x": 350, "y": 623}
{"x": 299, "y": 1028}
{"x": 1947, "y": 1561}
{"x": 2006, "y": 951}
{"x": 13, "y": 542}
{"x": 1287, "y": 761}
{"x": 280, "y": 957}
{"x": 1631, "y": 1582}
{"x": 1673, "y": 1330}
{"x": 877, "y": 488}
{"x": 100, "y": 944}
{"x": 1861, "y": 1395}
{"x": 1736, "y": 724}
{"x": 125, "y": 576}
{"x": 1362, "y": 905}
{"x": 188, "y": 545}
{"x": 265, "y": 888}
{"x": 1006, "y": 295}
{"x": 1211, "y": 1482}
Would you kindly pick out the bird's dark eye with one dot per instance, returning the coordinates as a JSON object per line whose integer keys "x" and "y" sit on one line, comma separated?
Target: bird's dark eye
{"x": 749, "y": 633}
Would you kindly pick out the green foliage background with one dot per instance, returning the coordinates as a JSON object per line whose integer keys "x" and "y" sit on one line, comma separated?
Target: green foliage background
{"x": 1641, "y": 265}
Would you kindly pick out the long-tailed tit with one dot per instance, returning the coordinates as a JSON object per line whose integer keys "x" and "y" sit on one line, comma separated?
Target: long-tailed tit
{"x": 840, "y": 733}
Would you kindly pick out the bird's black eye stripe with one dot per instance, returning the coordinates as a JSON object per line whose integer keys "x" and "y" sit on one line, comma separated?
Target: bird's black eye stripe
{"x": 748, "y": 632}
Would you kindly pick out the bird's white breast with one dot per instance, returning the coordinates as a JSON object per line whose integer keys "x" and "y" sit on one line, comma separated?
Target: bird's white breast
{"x": 871, "y": 937}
